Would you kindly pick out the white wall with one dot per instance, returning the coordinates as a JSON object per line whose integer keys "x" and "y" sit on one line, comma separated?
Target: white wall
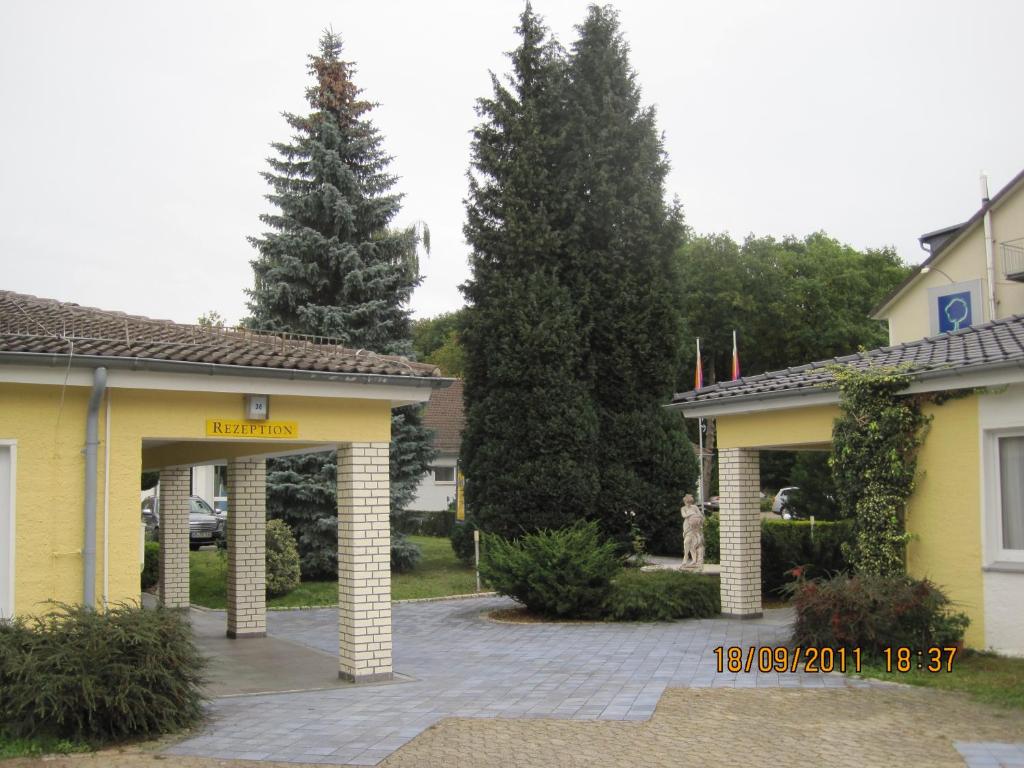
{"x": 1003, "y": 582}
{"x": 432, "y": 496}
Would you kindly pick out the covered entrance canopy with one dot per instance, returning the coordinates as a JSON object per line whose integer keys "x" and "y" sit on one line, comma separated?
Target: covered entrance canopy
{"x": 150, "y": 394}
{"x": 954, "y": 515}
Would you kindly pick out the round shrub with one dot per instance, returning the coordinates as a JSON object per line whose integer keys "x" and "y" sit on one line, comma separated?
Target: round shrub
{"x": 405, "y": 554}
{"x": 874, "y": 612}
{"x": 151, "y": 565}
{"x": 565, "y": 573}
{"x": 461, "y": 538}
{"x": 662, "y": 596}
{"x": 282, "y": 555}
{"x": 96, "y": 676}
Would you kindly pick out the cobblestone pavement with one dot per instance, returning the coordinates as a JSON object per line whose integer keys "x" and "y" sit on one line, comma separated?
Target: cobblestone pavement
{"x": 455, "y": 664}
{"x": 711, "y": 728}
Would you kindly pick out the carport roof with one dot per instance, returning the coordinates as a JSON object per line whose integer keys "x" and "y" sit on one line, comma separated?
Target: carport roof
{"x": 34, "y": 329}
{"x": 978, "y": 348}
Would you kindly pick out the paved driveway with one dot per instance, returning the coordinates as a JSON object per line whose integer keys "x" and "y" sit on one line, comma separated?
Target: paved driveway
{"x": 453, "y": 663}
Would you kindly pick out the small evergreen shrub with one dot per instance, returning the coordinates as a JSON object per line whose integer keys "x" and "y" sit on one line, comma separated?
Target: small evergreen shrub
{"x": 282, "y": 556}
{"x": 462, "y": 540}
{"x": 151, "y": 565}
{"x": 662, "y": 596}
{"x": 405, "y": 554}
{"x": 874, "y": 612}
{"x": 95, "y": 677}
{"x": 563, "y": 573}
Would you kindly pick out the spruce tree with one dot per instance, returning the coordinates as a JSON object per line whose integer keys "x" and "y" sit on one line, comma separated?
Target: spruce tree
{"x": 332, "y": 266}
{"x": 626, "y": 235}
{"x": 528, "y": 447}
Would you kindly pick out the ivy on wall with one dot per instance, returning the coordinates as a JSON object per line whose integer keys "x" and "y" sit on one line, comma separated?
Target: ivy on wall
{"x": 875, "y": 443}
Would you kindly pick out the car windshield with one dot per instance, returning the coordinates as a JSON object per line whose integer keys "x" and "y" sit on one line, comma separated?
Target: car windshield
{"x": 199, "y": 506}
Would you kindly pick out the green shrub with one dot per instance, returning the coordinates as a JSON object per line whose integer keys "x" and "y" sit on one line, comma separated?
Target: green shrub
{"x": 712, "y": 552}
{"x": 786, "y": 544}
{"x": 282, "y": 559}
{"x": 414, "y": 523}
{"x": 874, "y": 612}
{"x": 462, "y": 541}
{"x": 789, "y": 543}
{"x": 662, "y": 596}
{"x": 564, "y": 573}
{"x": 151, "y": 565}
{"x": 99, "y": 676}
{"x": 405, "y": 554}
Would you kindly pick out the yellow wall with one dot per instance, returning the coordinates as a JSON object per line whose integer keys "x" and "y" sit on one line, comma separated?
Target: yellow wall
{"x": 790, "y": 428}
{"x": 945, "y": 511}
{"x": 50, "y": 484}
{"x": 908, "y": 316}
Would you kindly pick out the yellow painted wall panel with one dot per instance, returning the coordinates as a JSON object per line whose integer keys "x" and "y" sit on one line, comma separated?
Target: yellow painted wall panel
{"x": 784, "y": 428}
{"x": 944, "y": 515}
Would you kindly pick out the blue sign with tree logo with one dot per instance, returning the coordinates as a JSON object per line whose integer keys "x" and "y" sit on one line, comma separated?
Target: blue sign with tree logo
{"x": 954, "y": 311}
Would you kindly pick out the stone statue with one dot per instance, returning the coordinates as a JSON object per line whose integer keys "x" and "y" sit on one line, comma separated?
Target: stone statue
{"x": 693, "y": 533}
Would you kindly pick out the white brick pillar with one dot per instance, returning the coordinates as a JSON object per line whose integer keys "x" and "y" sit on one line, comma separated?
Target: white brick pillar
{"x": 739, "y": 481}
{"x": 175, "y": 485}
{"x": 247, "y": 535}
{"x": 364, "y": 563}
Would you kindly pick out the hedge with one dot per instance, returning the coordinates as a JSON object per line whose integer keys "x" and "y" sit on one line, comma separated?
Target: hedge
{"x": 424, "y": 523}
{"x": 788, "y": 543}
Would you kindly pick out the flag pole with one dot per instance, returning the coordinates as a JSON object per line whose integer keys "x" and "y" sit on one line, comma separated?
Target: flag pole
{"x": 698, "y": 383}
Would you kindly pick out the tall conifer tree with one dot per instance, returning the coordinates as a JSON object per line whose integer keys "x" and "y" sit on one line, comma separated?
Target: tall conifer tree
{"x": 626, "y": 235}
{"x": 332, "y": 266}
{"x": 528, "y": 448}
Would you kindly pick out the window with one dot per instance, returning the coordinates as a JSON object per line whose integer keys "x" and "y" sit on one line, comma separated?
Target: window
{"x": 1011, "y": 493}
{"x": 444, "y": 474}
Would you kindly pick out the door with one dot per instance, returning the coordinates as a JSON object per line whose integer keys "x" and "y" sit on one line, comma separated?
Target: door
{"x": 6, "y": 531}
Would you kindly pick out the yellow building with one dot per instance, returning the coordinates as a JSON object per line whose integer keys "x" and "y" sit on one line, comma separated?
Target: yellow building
{"x": 89, "y": 399}
{"x": 967, "y": 513}
{"x": 974, "y": 272}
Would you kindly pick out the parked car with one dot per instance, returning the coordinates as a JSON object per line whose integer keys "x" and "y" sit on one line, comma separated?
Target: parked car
{"x": 780, "y": 505}
{"x": 205, "y": 524}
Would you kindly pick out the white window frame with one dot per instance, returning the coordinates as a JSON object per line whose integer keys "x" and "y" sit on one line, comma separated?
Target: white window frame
{"x": 7, "y": 601}
{"x": 433, "y": 471}
{"x": 995, "y": 554}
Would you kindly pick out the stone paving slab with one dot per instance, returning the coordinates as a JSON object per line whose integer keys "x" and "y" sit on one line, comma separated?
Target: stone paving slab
{"x": 462, "y": 665}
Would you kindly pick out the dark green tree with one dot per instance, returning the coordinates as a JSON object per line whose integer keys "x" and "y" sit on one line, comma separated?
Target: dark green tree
{"x": 528, "y": 448}
{"x": 331, "y": 265}
{"x": 623, "y": 240}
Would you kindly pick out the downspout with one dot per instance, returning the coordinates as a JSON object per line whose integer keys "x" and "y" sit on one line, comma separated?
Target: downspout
{"x": 92, "y": 441}
{"x": 106, "y": 505}
{"x": 990, "y": 259}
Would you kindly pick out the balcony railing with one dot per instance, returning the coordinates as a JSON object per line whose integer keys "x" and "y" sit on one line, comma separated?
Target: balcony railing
{"x": 1013, "y": 259}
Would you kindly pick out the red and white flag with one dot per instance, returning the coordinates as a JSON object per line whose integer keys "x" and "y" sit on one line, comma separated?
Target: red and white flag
{"x": 698, "y": 377}
{"x": 735, "y": 358}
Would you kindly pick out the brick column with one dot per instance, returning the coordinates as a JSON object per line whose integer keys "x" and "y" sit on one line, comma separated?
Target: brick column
{"x": 175, "y": 484}
{"x": 247, "y": 531}
{"x": 364, "y": 563}
{"x": 739, "y": 478}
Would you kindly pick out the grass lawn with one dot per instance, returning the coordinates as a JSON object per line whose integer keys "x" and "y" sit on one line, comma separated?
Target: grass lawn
{"x": 985, "y": 676}
{"x": 438, "y": 574}
{"x": 13, "y": 747}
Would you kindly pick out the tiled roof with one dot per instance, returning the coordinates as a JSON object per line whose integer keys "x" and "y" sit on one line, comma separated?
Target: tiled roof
{"x": 447, "y": 417}
{"x": 982, "y": 346}
{"x": 33, "y": 326}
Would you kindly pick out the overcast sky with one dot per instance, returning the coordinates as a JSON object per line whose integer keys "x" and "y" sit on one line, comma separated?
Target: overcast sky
{"x": 133, "y": 133}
